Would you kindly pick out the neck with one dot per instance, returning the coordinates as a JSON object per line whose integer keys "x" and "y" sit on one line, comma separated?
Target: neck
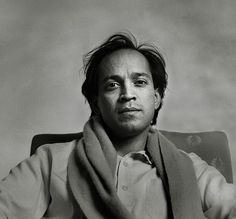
{"x": 130, "y": 144}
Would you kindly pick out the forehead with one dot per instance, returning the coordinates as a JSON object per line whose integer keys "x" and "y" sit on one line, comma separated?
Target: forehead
{"x": 124, "y": 61}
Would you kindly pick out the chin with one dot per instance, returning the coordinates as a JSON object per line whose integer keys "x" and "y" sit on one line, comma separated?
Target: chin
{"x": 131, "y": 129}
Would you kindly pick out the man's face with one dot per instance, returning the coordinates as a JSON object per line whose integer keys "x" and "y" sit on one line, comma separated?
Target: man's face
{"x": 126, "y": 95}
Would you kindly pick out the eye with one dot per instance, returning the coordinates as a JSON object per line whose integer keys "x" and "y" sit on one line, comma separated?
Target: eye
{"x": 111, "y": 85}
{"x": 140, "y": 82}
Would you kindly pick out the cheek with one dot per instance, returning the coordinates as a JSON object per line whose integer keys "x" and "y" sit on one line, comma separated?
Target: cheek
{"x": 149, "y": 103}
{"x": 148, "y": 98}
{"x": 105, "y": 104}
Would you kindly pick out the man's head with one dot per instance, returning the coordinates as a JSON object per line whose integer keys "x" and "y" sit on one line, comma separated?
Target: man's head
{"x": 123, "y": 71}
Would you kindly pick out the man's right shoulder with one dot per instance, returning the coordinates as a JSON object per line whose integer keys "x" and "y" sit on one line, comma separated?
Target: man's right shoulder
{"x": 55, "y": 157}
{"x": 54, "y": 150}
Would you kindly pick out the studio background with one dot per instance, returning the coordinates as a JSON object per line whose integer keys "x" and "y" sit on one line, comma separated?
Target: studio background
{"x": 41, "y": 48}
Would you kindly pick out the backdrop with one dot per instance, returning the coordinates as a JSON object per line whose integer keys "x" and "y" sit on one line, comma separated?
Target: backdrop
{"x": 41, "y": 48}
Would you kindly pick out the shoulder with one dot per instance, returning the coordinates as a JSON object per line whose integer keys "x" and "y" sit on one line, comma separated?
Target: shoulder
{"x": 194, "y": 157}
{"x": 216, "y": 193}
{"x": 56, "y": 149}
{"x": 56, "y": 154}
{"x": 200, "y": 166}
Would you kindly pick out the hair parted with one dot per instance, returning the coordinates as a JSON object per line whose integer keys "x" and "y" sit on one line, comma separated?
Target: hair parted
{"x": 116, "y": 42}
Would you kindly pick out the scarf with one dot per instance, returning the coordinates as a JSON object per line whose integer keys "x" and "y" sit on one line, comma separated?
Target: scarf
{"x": 91, "y": 172}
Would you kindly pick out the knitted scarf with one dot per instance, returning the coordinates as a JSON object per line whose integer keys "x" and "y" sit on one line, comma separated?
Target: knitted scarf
{"x": 91, "y": 172}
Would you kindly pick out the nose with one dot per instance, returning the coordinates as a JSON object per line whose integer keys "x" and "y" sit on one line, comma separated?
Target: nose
{"x": 127, "y": 93}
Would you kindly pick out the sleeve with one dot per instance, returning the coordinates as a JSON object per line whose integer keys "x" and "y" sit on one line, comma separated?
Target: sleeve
{"x": 24, "y": 193}
{"x": 218, "y": 196}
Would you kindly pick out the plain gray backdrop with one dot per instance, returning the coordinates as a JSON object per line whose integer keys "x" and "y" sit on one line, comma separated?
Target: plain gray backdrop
{"x": 41, "y": 47}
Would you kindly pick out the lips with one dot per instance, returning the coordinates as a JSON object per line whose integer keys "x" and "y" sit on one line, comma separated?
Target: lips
{"x": 128, "y": 110}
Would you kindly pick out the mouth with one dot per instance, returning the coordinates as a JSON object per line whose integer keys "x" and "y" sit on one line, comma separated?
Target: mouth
{"x": 126, "y": 110}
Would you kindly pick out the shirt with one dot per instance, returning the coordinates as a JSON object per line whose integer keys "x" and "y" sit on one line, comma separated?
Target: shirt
{"x": 141, "y": 190}
{"x": 38, "y": 186}
{"x": 139, "y": 187}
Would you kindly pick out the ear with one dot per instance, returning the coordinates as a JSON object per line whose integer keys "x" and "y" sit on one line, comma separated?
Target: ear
{"x": 157, "y": 99}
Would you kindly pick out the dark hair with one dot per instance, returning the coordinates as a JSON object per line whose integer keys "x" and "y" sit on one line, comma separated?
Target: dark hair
{"x": 116, "y": 42}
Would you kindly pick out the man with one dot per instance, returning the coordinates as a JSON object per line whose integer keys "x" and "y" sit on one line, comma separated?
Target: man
{"x": 121, "y": 167}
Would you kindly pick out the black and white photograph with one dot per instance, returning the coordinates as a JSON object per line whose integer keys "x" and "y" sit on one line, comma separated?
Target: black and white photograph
{"x": 119, "y": 109}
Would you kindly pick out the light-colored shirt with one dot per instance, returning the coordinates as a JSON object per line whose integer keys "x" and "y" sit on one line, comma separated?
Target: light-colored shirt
{"x": 38, "y": 186}
{"x": 139, "y": 187}
{"x": 141, "y": 190}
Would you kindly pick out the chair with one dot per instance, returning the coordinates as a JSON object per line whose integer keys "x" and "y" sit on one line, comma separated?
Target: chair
{"x": 210, "y": 146}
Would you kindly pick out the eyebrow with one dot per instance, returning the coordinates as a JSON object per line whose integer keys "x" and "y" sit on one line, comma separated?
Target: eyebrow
{"x": 133, "y": 75}
{"x": 141, "y": 74}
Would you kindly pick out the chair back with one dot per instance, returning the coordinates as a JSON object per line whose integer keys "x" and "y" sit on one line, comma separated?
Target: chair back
{"x": 210, "y": 146}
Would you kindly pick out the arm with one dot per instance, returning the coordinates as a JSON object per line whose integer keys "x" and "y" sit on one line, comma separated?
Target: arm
{"x": 218, "y": 196}
{"x": 24, "y": 193}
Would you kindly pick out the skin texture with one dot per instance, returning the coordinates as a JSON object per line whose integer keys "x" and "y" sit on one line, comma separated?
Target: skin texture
{"x": 126, "y": 96}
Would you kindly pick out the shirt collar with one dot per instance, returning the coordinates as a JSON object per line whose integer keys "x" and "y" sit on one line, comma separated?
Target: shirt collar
{"x": 140, "y": 155}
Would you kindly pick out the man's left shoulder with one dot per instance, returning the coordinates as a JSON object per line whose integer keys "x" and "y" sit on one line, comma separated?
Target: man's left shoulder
{"x": 198, "y": 163}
